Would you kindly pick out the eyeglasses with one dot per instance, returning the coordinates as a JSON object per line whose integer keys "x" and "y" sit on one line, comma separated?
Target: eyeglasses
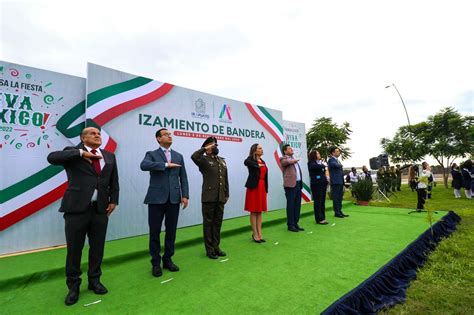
{"x": 166, "y": 134}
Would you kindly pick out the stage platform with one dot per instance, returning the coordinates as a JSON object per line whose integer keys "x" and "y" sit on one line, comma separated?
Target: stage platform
{"x": 292, "y": 273}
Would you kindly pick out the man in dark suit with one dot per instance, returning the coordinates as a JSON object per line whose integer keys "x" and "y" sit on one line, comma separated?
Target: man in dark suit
{"x": 293, "y": 184}
{"x": 168, "y": 188}
{"x": 91, "y": 196}
{"x": 215, "y": 193}
{"x": 336, "y": 177}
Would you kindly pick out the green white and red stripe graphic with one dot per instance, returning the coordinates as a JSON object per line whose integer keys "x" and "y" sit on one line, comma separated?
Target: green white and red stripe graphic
{"x": 276, "y": 130}
{"x": 39, "y": 190}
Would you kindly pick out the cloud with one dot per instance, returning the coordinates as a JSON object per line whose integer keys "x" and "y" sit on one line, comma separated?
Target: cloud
{"x": 310, "y": 59}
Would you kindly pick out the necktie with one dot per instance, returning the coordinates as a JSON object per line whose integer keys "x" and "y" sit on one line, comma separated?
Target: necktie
{"x": 95, "y": 162}
{"x": 168, "y": 155}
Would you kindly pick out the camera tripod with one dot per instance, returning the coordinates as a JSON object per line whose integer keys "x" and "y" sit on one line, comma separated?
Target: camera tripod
{"x": 379, "y": 195}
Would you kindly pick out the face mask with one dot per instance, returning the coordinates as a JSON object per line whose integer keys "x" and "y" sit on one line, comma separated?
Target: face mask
{"x": 215, "y": 151}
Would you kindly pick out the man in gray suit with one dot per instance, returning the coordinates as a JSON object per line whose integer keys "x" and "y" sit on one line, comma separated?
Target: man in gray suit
{"x": 293, "y": 183}
{"x": 168, "y": 188}
{"x": 91, "y": 196}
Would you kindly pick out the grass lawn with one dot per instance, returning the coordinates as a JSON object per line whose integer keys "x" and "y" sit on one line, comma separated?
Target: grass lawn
{"x": 445, "y": 285}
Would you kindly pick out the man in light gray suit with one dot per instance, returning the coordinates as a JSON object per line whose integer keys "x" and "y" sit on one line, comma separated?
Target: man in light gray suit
{"x": 168, "y": 188}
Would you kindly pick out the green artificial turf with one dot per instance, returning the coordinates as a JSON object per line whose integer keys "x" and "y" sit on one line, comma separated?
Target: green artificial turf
{"x": 291, "y": 273}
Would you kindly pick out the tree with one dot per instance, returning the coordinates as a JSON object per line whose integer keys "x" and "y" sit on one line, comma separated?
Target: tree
{"x": 404, "y": 147}
{"x": 444, "y": 136}
{"x": 324, "y": 134}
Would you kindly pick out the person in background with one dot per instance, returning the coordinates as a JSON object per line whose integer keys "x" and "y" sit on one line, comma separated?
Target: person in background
{"x": 353, "y": 178}
{"x": 411, "y": 178}
{"x": 398, "y": 173}
{"x": 471, "y": 170}
{"x": 457, "y": 180}
{"x": 467, "y": 178}
{"x": 421, "y": 179}
{"x": 429, "y": 189}
{"x": 380, "y": 179}
{"x": 366, "y": 174}
{"x": 257, "y": 189}
{"x": 319, "y": 183}
{"x": 393, "y": 178}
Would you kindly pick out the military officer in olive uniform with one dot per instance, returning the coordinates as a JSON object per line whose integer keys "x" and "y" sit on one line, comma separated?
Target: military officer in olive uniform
{"x": 381, "y": 179}
{"x": 387, "y": 179}
{"x": 398, "y": 171}
{"x": 393, "y": 177}
{"x": 215, "y": 193}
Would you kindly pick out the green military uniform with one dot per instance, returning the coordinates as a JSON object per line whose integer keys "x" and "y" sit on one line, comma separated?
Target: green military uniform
{"x": 215, "y": 192}
{"x": 398, "y": 172}
{"x": 386, "y": 179}
{"x": 393, "y": 178}
{"x": 380, "y": 178}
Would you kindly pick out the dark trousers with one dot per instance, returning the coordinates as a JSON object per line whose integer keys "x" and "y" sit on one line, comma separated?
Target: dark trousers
{"x": 421, "y": 198}
{"x": 77, "y": 226}
{"x": 156, "y": 213}
{"x": 293, "y": 204}
{"x": 319, "y": 201}
{"x": 212, "y": 214}
{"x": 429, "y": 190}
{"x": 337, "y": 192}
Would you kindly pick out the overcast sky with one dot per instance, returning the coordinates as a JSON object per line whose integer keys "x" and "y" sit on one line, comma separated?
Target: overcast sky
{"x": 306, "y": 58}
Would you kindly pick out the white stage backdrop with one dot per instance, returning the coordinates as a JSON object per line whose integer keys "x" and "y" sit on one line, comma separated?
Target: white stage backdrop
{"x": 129, "y": 109}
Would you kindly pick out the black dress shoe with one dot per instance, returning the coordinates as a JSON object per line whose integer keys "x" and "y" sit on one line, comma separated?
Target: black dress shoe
{"x": 340, "y": 216}
{"x": 156, "y": 271}
{"x": 299, "y": 228}
{"x": 98, "y": 288}
{"x": 345, "y": 215}
{"x": 72, "y": 297}
{"x": 293, "y": 229}
{"x": 256, "y": 241}
{"x": 220, "y": 253}
{"x": 262, "y": 240}
{"x": 212, "y": 256}
{"x": 170, "y": 266}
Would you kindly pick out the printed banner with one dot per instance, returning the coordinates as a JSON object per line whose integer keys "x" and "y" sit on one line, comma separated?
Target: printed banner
{"x": 33, "y": 101}
{"x": 130, "y": 109}
{"x": 44, "y": 111}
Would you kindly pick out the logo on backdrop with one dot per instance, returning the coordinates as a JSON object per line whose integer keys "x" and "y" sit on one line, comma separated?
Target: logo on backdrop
{"x": 25, "y": 109}
{"x": 293, "y": 138}
{"x": 200, "y": 110}
{"x": 224, "y": 115}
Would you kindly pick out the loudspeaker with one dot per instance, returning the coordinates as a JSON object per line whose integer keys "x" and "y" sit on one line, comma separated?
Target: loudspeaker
{"x": 383, "y": 159}
{"x": 374, "y": 163}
